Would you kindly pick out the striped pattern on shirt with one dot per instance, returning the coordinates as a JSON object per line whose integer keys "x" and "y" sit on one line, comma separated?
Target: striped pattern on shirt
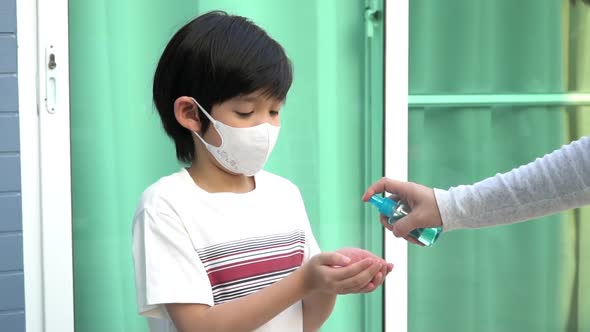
{"x": 242, "y": 267}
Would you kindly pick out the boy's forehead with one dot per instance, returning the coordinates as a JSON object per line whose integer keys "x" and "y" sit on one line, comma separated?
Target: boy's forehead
{"x": 257, "y": 97}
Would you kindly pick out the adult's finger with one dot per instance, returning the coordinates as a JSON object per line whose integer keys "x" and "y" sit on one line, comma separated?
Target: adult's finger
{"x": 402, "y": 227}
{"x": 383, "y": 219}
{"x": 411, "y": 239}
{"x": 386, "y": 185}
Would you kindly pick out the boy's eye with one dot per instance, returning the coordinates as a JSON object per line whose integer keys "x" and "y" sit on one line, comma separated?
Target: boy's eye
{"x": 243, "y": 114}
{"x": 274, "y": 113}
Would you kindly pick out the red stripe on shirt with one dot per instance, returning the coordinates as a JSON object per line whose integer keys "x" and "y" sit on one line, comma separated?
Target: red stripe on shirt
{"x": 255, "y": 267}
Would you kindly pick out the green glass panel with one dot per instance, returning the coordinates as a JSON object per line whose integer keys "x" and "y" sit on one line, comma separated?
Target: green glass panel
{"x": 478, "y": 46}
{"x": 522, "y": 277}
{"x": 497, "y": 279}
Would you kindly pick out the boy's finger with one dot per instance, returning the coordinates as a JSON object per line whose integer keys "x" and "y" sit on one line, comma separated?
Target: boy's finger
{"x": 359, "y": 280}
{"x": 353, "y": 269}
{"x": 333, "y": 259}
{"x": 389, "y": 267}
{"x": 367, "y": 289}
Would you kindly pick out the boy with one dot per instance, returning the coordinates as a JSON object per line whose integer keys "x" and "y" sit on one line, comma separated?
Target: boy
{"x": 222, "y": 245}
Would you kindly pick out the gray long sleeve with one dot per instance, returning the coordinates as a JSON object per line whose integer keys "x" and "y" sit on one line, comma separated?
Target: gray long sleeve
{"x": 556, "y": 182}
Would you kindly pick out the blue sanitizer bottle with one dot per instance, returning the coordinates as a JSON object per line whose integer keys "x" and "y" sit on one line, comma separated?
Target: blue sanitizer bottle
{"x": 397, "y": 210}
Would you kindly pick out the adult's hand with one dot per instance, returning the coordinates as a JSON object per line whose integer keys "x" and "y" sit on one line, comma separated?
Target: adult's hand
{"x": 421, "y": 199}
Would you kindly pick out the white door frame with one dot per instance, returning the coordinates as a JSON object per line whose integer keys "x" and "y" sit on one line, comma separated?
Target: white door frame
{"x": 44, "y": 123}
{"x": 29, "y": 152}
{"x": 396, "y": 154}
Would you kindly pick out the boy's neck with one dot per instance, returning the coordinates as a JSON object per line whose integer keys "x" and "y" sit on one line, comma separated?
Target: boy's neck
{"x": 213, "y": 179}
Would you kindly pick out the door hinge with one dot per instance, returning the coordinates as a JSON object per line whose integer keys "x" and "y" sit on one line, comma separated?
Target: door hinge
{"x": 372, "y": 18}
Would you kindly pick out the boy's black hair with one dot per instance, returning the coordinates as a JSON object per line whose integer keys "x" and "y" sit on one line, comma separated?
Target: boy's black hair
{"x": 213, "y": 58}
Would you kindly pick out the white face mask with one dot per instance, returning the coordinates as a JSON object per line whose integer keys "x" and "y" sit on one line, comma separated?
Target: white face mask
{"x": 242, "y": 150}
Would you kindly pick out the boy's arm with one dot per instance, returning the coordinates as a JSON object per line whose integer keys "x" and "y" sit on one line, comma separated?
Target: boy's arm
{"x": 317, "y": 308}
{"x": 252, "y": 311}
{"x": 243, "y": 314}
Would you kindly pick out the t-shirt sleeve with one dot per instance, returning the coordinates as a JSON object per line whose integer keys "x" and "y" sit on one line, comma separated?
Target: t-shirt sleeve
{"x": 167, "y": 267}
{"x": 311, "y": 245}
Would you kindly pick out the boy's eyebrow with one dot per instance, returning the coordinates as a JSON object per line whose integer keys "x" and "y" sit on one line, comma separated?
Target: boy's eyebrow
{"x": 255, "y": 98}
{"x": 247, "y": 98}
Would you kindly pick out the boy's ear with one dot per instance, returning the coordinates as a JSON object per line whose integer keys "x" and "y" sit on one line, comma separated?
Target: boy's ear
{"x": 186, "y": 113}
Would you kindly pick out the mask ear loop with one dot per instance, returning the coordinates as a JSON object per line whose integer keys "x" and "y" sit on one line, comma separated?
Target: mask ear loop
{"x": 213, "y": 122}
{"x": 203, "y": 110}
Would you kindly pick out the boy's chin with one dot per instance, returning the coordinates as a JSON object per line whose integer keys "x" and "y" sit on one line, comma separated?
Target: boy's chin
{"x": 225, "y": 170}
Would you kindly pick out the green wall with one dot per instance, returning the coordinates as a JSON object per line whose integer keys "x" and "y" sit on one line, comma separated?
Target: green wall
{"x": 330, "y": 143}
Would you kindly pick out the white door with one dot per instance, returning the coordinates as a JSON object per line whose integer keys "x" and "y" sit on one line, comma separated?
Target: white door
{"x": 45, "y": 164}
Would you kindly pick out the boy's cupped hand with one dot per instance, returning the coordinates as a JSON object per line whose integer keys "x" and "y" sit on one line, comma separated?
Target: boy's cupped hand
{"x": 345, "y": 271}
{"x": 357, "y": 254}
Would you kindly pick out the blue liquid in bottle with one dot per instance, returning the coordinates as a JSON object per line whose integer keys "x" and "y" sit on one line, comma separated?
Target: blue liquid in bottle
{"x": 396, "y": 210}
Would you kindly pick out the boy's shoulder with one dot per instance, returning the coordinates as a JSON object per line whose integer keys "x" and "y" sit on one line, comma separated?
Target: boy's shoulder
{"x": 276, "y": 181}
{"x": 166, "y": 189}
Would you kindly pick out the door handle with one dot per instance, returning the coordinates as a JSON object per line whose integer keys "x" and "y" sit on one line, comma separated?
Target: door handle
{"x": 51, "y": 79}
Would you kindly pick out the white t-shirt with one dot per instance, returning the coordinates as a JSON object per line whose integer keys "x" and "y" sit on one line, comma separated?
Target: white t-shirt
{"x": 191, "y": 246}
